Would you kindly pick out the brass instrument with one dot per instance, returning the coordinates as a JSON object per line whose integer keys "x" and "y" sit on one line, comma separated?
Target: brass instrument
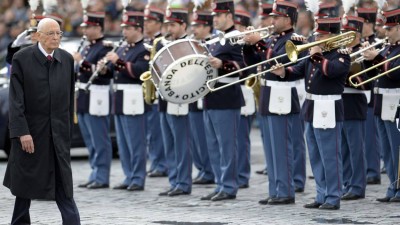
{"x": 356, "y": 84}
{"x": 255, "y": 85}
{"x": 83, "y": 39}
{"x": 292, "y": 52}
{"x": 148, "y": 88}
{"x": 237, "y": 37}
{"x": 340, "y": 40}
{"x": 361, "y": 58}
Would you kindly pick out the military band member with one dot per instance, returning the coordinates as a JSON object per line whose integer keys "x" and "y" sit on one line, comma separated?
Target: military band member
{"x": 129, "y": 109}
{"x": 175, "y": 121}
{"x": 387, "y": 96}
{"x": 279, "y": 104}
{"x": 242, "y": 21}
{"x": 325, "y": 73}
{"x": 202, "y": 27}
{"x": 372, "y": 142}
{"x": 355, "y": 115}
{"x": 265, "y": 21}
{"x": 222, "y": 108}
{"x": 153, "y": 21}
{"x": 93, "y": 107}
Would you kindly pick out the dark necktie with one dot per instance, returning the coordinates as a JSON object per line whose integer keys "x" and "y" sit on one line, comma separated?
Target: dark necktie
{"x": 49, "y": 58}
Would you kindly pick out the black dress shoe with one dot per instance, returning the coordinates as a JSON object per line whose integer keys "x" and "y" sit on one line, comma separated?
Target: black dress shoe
{"x": 384, "y": 199}
{"x": 135, "y": 187}
{"x": 264, "y": 201}
{"x": 222, "y": 196}
{"x": 243, "y": 186}
{"x": 177, "y": 192}
{"x": 120, "y": 187}
{"x": 383, "y": 170}
{"x": 96, "y": 185}
{"x": 157, "y": 174}
{"x": 328, "y": 206}
{"x": 311, "y": 177}
{"x": 262, "y": 172}
{"x": 165, "y": 193}
{"x": 203, "y": 181}
{"x": 313, "y": 205}
{"x": 280, "y": 201}
{"x": 351, "y": 196}
{"x": 395, "y": 199}
{"x": 373, "y": 180}
{"x": 209, "y": 196}
{"x": 84, "y": 185}
{"x": 299, "y": 190}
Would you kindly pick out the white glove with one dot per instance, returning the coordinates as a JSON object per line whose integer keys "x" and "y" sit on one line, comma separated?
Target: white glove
{"x": 22, "y": 39}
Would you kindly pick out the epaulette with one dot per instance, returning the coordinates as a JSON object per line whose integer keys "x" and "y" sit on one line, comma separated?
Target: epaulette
{"x": 344, "y": 51}
{"x": 297, "y": 37}
{"x": 108, "y": 43}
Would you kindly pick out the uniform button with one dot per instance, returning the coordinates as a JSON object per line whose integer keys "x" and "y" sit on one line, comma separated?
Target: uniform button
{"x": 308, "y": 88}
{"x": 272, "y": 45}
{"x": 309, "y": 81}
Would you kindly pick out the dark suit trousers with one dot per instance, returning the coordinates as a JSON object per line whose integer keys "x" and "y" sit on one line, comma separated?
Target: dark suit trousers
{"x": 67, "y": 206}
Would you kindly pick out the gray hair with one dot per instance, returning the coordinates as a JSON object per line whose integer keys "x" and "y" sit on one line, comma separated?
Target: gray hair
{"x": 45, "y": 21}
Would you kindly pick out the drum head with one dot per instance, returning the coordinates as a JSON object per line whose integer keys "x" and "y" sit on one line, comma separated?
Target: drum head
{"x": 184, "y": 81}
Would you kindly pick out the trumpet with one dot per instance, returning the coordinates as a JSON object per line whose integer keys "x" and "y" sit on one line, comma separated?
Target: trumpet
{"x": 356, "y": 84}
{"x": 359, "y": 52}
{"x": 235, "y": 38}
{"x": 96, "y": 73}
{"x": 292, "y": 52}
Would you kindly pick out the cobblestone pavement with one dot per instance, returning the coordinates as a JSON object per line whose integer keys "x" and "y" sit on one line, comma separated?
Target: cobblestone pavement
{"x": 109, "y": 206}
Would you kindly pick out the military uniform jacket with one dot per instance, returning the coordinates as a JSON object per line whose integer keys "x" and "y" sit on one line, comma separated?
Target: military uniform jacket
{"x": 92, "y": 53}
{"x": 391, "y": 80}
{"x": 230, "y": 97}
{"x": 41, "y": 104}
{"x": 356, "y": 105}
{"x": 133, "y": 61}
{"x": 324, "y": 74}
{"x": 267, "y": 49}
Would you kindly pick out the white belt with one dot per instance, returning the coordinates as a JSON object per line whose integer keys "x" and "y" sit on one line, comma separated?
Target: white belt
{"x": 122, "y": 87}
{"x": 271, "y": 83}
{"x": 227, "y": 80}
{"x": 92, "y": 87}
{"x": 355, "y": 91}
{"x": 322, "y": 97}
{"x": 386, "y": 90}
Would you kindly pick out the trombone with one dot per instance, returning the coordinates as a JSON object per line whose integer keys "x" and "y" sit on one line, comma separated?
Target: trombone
{"x": 235, "y": 38}
{"x": 355, "y": 84}
{"x": 292, "y": 52}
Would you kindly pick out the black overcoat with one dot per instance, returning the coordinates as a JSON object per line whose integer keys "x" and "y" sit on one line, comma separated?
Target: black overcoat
{"x": 41, "y": 104}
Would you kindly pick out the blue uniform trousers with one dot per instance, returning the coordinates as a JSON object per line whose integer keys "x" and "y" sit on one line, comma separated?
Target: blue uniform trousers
{"x": 259, "y": 121}
{"x": 155, "y": 142}
{"x": 95, "y": 132}
{"x": 221, "y": 133}
{"x": 280, "y": 166}
{"x": 264, "y": 125}
{"x": 372, "y": 147}
{"x": 244, "y": 148}
{"x": 176, "y": 137}
{"x": 200, "y": 156}
{"x": 326, "y": 162}
{"x": 354, "y": 162}
{"x": 299, "y": 152}
{"x": 390, "y": 139}
{"x": 131, "y": 138}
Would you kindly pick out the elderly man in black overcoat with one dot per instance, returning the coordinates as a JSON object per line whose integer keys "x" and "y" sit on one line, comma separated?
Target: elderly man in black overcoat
{"x": 41, "y": 119}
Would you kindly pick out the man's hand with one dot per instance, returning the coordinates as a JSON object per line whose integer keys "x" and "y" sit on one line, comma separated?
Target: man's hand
{"x": 252, "y": 38}
{"x": 315, "y": 49}
{"x": 27, "y": 143}
{"x": 215, "y": 62}
{"x": 370, "y": 53}
{"x": 77, "y": 57}
{"x": 22, "y": 39}
{"x": 112, "y": 56}
{"x": 278, "y": 70}
{"x": 102, "y": 64}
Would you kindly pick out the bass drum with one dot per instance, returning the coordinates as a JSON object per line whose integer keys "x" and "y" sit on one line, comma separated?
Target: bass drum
{"x": 180, "y": 71}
